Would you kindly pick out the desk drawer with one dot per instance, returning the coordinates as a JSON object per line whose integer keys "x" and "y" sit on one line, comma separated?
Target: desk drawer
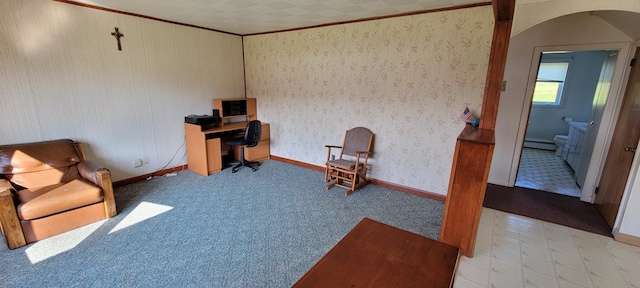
{"x": 259, "y": 152}
{"x": 265, "y": 132}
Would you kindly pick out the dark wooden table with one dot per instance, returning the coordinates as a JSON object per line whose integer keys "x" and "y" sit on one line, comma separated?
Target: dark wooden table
{"x": 374, "y": 254}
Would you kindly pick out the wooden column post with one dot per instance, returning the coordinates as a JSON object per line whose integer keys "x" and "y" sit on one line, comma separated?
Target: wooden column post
{"x": 463, "y": 206}
{"x": 474, "y": 147}
{"x": 495, "y": 73}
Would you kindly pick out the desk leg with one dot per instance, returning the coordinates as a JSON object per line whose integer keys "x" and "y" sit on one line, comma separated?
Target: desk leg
{"x": 214, "y": 155}
{"x": 196, "y": 152}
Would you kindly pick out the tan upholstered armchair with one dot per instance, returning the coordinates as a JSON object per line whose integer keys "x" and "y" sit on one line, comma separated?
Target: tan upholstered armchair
{"x": 47, "y": 188}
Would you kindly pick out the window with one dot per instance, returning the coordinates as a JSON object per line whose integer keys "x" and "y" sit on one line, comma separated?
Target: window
{"x": 549, "y": 84}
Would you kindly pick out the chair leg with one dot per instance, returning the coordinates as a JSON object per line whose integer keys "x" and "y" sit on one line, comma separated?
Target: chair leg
{"x": 358, "y": 182}
{"x": 355, "y": 180}
{"x": 330, "y": 175}
{"x": 326, "y": 174}
{"x": 245, "y": 163}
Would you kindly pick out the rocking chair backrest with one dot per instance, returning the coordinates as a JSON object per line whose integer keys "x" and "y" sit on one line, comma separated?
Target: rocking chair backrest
{"x": 357, "y": 139}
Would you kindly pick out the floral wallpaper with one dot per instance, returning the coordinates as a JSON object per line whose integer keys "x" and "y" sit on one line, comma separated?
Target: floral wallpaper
{"x": 407, "y": 79}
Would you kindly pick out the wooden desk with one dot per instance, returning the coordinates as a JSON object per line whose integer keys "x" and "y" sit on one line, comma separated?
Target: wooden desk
{"x": 374, "y": 254}
{"x": 204, "y": 148}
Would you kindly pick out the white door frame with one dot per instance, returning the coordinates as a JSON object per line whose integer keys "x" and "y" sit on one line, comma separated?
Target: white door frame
{"x": 609, "y": 117}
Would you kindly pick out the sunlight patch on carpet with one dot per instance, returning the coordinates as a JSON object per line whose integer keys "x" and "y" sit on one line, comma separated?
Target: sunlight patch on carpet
{"x": 52, "y": 246}
{"x": 144, "y": 211}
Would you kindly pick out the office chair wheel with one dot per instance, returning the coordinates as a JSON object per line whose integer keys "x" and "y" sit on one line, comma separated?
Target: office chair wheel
{"x": 254, "y": 169}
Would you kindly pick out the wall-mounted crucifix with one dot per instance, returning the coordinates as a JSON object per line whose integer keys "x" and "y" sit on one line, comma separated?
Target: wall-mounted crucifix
{"x": 117, "y": 34}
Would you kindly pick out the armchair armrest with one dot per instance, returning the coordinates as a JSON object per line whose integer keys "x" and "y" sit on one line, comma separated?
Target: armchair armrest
{"x": 9, "y": 221}
{"x": 102, "y": 177}
{"x": 89, "y": 170}
{"x": 5, "y": 187}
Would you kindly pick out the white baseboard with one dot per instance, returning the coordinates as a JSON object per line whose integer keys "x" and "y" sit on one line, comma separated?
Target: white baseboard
{"x": 539, "y": 145}
{"x": 498, "y": 182}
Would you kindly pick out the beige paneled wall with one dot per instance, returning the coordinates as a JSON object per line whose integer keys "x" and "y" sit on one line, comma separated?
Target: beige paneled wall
{"x": 61, "y": 76}
{"x": 407, "y": 79}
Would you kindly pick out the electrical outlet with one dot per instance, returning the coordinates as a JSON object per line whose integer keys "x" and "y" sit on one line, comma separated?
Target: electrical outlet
{"x": 137, "y": 163}
{"x": 146, "y": 160}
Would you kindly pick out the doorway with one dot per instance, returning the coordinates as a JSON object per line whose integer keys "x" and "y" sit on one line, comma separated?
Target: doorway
{"x": 569, "y": 91}
{"x": 605, "y": 103}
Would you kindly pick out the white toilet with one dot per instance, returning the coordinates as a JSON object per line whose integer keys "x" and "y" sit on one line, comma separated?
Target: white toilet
{"x": 559, "y": 140}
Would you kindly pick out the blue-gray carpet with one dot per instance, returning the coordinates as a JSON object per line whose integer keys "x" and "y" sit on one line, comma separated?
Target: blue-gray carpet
{"x": 248, "y": 229}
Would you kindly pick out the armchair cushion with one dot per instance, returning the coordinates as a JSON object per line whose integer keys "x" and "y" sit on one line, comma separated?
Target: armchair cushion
{"x": 53, "y": 199}
{"x": 41, "y": 163}
{"x": 44, "y": 178}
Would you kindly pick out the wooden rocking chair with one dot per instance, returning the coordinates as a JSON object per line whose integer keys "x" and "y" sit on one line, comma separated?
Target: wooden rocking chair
{"x": 349, "y": 170}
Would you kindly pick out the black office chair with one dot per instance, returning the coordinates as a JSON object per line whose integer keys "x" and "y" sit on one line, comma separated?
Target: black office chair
{"x": 251, "y": 137}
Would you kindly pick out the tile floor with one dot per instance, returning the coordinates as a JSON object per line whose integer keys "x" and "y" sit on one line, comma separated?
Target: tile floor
{"x": 543, "y": 170}
{"x": 515, "y": 251}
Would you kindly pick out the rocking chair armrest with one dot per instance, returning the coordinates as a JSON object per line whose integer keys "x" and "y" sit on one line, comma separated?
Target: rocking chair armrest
{"x": 329, "y": 150}
{"x": 358, "y": 153}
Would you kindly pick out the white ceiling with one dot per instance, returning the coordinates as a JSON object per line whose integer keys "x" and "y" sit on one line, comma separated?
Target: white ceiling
{"x": 627, "y": 22}
{"x": 245, "y": 17}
